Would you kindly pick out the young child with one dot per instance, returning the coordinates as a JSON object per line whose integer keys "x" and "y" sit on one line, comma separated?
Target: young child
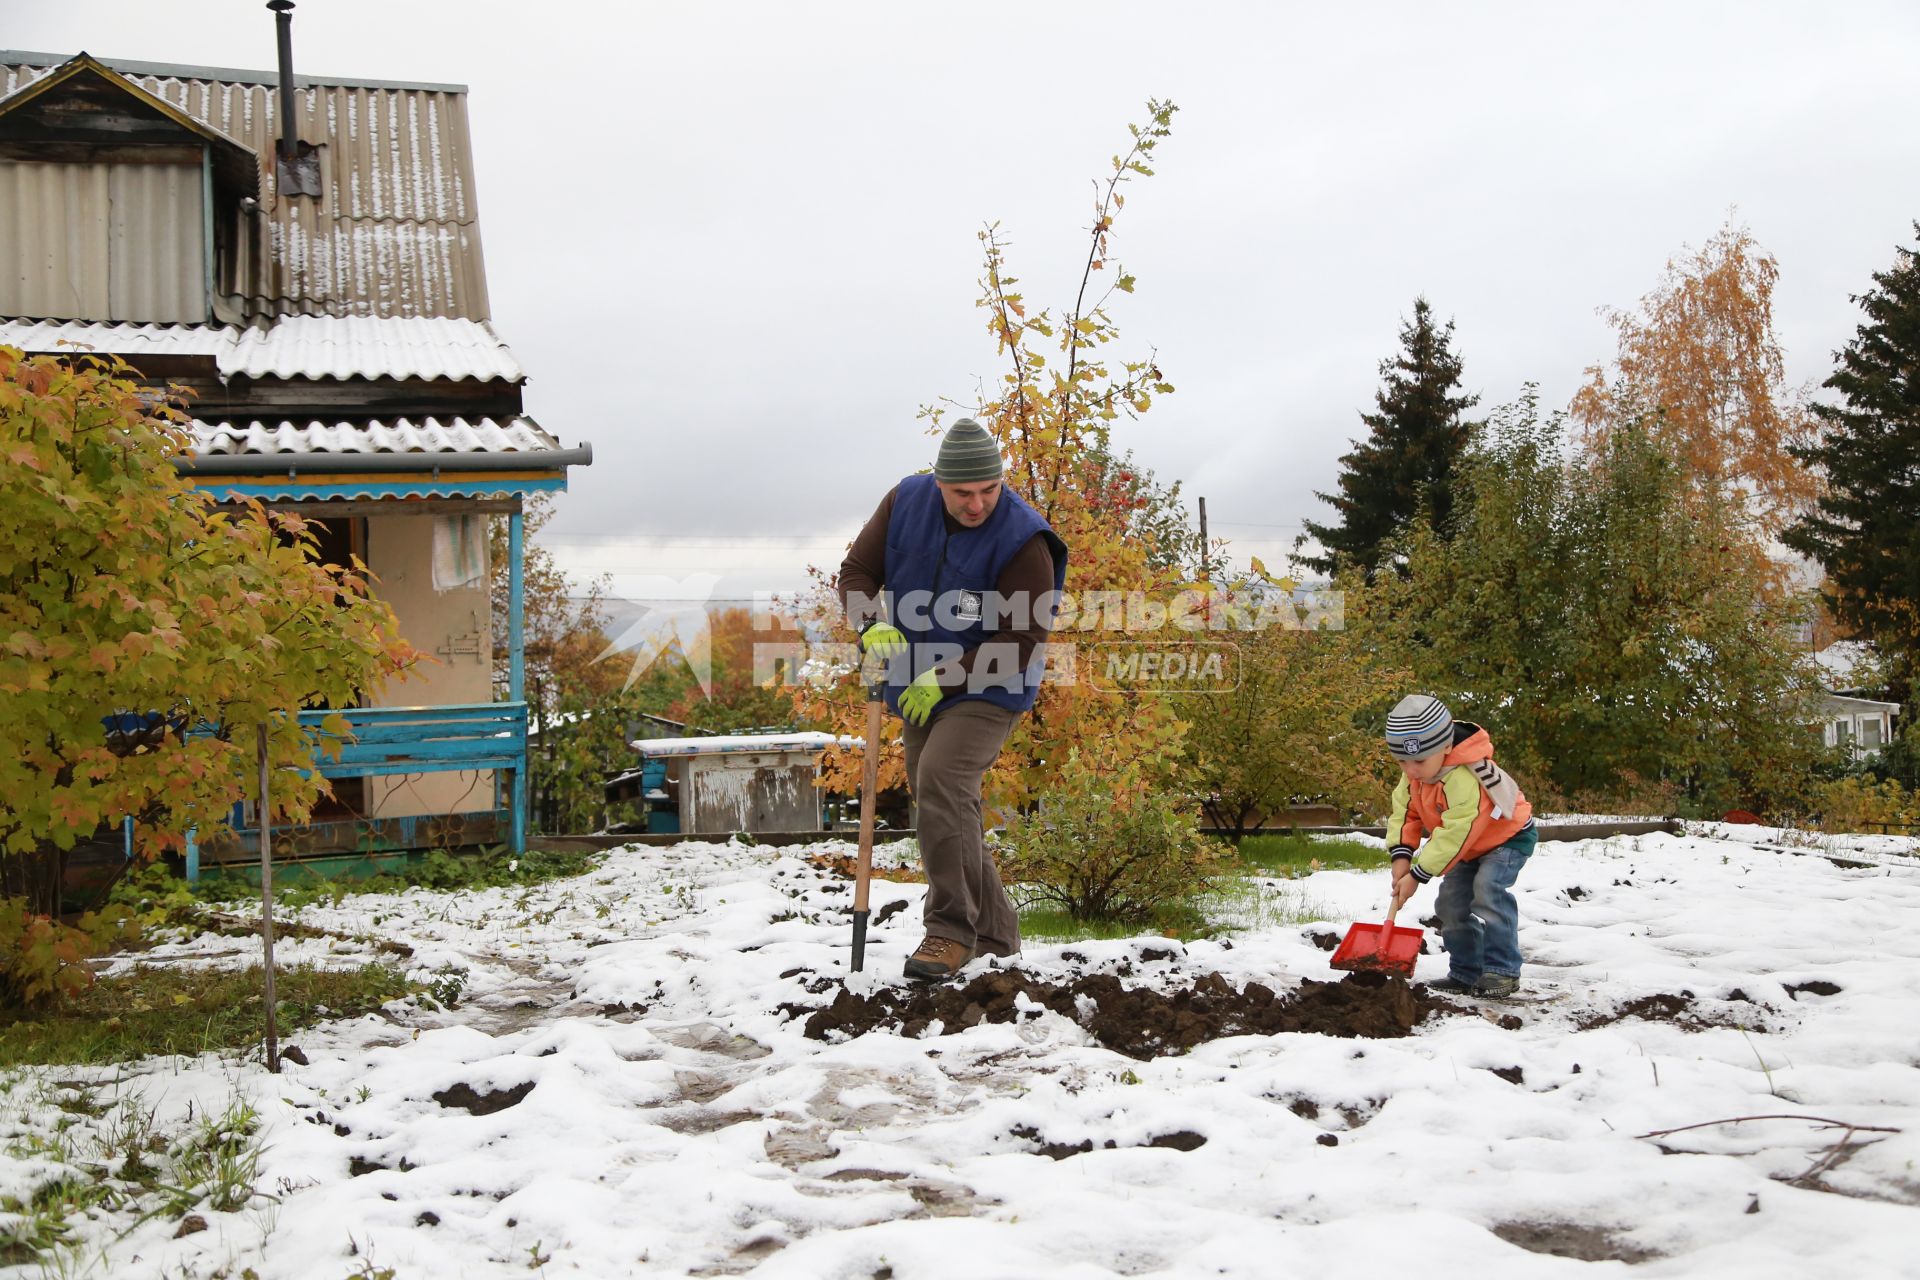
{"x": 1479, "y": 832}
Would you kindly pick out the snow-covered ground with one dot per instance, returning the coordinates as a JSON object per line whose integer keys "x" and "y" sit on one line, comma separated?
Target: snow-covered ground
{"x": 672, "y": 1120}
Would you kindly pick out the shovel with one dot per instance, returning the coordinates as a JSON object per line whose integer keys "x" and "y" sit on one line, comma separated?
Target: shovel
{"x": 1379, "y": 948}
{"x": 869, "y": 784}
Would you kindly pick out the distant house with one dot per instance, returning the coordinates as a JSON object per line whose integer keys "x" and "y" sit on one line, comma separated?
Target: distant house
{"x": 1850, "y": 715}
{"x": 314, "y": 277}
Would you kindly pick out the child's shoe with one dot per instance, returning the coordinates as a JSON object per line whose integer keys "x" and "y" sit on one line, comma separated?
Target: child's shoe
{"x": 1497, "y": 985}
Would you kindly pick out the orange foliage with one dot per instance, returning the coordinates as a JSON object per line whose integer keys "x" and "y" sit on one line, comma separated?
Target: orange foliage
{"x": 1701, "y": 355}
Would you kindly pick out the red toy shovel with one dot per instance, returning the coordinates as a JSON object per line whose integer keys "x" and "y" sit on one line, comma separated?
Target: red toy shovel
{"x": 1379, "y": 948}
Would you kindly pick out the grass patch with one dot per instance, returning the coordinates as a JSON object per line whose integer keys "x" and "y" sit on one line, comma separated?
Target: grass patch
{"x": 165, "y": 898}
{"x": 189, "y": 1011}
{"x": 1241, "y": 899}
{"x": 117, "y": 1167}
{"x": 1293, "y": 855}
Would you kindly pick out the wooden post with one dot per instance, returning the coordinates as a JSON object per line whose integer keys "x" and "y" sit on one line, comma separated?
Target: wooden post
{"x": 1206, "y": 568}
{"x": 266, "y": 906}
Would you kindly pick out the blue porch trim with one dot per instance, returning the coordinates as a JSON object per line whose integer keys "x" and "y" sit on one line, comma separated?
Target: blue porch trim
{"x": 517, "y": 664}
{"x": 382, "y": 741}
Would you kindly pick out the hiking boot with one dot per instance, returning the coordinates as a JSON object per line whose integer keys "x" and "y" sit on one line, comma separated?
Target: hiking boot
{"x": 937, "y": 959}
{"x": 1497, "y": 985}
{"x": 1452, "y": 986}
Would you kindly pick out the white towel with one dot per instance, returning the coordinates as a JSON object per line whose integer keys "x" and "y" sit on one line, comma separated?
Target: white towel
{"x": 459, "y": 551}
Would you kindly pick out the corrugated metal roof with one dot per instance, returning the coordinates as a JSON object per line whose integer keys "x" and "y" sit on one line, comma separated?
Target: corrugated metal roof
{"x": 396, "y": 232}
{"x": 295, "y": 346}
{"x": 402, "y": 435}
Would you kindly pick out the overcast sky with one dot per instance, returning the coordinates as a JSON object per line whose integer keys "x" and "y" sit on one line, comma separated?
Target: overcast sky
{"x": 735, "y": 244}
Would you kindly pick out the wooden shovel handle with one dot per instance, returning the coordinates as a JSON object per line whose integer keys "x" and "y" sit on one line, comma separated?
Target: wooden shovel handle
{"x": 869, "y": 786}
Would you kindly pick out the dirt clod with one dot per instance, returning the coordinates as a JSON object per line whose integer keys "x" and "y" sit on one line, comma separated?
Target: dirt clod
{"x": 467, "y": 1098}
{"x": 191, "y": 1225}
{"x": 1579, "y": 1241}
{"x": 1818, "y": 987}
{"x": 1138, "y": 1021}
{"x": 1512, "y": 1075}
{"x": 1328, "y": 1140}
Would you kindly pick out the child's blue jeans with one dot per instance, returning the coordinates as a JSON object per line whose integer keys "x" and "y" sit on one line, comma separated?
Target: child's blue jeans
{"x": 1479, "y": 920}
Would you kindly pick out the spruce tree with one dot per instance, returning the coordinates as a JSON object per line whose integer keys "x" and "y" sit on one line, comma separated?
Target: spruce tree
{"x": 1404, "y": 468}
{"x": 1865, "y": 529}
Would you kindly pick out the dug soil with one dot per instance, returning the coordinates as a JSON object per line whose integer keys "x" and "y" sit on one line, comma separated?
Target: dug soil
{"x": 1138, "y": 1021}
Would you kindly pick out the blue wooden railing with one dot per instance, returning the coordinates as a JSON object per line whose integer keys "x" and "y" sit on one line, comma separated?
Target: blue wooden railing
{"x": 461, "y": 737}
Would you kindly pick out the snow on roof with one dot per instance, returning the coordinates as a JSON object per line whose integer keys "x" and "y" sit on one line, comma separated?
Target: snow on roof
{"x": 742, "y": 743}
{"x": 293, "y": 346}
{"x": 399, "y": 435}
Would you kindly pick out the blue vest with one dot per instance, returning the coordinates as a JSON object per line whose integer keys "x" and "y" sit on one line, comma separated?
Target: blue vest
{"x": 936, "y": 583}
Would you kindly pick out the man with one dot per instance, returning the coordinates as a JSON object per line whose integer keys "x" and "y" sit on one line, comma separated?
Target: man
{"x": 971, "y": 576}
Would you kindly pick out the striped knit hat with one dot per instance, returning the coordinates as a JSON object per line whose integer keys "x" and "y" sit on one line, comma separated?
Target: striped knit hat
{"x": 968, "y": 455}
{"x": 1418, "y": 727}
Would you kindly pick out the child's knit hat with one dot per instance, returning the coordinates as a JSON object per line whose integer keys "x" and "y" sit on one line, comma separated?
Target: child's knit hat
{"x": 1418, "y": 727}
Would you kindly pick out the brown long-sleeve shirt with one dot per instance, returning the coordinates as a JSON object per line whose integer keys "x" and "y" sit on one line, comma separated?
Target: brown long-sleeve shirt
{"x": 1028, "y": 576}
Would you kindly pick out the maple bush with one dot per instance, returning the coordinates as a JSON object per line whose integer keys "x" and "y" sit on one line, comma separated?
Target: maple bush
{"x": 1865, "y": 803}
{"x": 42, "y": 960}
{"x": 1077, "y": 852}
{"x": 145, "y": 631}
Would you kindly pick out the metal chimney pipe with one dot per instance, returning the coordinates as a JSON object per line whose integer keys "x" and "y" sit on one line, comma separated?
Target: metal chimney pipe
{"x": 289, "y": 133}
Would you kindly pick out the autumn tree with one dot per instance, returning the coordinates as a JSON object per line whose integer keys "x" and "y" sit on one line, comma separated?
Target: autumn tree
{"x": 1863, "y": 528}
{"x": 146, "y": 632}
{"x": 1403, "y": 470}
{"x": 564, "y": 633}
{"x": 1054, "y": 410}
{"x": 1702, "y": 355}
{"x": 749, "y": 656}
{"x": 1601, "y": 627}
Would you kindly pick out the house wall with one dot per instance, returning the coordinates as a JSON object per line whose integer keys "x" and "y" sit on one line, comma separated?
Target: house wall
{"x": 1860, "y": 724}
{"x": 100, "y": 241}
{"x": 770, "y": 791}
{"x": 454, "y": 629}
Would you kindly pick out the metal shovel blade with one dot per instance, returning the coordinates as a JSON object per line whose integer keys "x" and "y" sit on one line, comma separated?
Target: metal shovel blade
{"x": 1379, "y": 948}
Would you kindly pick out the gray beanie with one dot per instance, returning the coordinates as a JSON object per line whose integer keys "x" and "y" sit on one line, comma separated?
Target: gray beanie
{"x": 968, "y": 455}
{"x": 1418, "y": 727}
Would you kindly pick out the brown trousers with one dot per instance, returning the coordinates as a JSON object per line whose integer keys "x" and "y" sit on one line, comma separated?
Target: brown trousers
{"x": 947, "y": 759}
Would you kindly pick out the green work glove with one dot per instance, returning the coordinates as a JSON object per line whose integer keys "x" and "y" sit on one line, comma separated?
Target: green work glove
{"x": 920, "y": 698}
{"x": 883, "y": 640}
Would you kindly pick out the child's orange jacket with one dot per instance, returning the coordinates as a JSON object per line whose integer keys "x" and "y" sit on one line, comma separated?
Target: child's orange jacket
{"x": 1472, "y": 808}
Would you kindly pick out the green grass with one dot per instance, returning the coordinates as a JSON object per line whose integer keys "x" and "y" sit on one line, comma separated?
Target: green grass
{"x": 189, "y": 1011}
{"x": 1047, "y": 925}
{"x": 154, "y": 885}
{"x": 110, "y": 1156}
{"x": 1293, "y": 855}
{"x": 1242, "y": 898}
